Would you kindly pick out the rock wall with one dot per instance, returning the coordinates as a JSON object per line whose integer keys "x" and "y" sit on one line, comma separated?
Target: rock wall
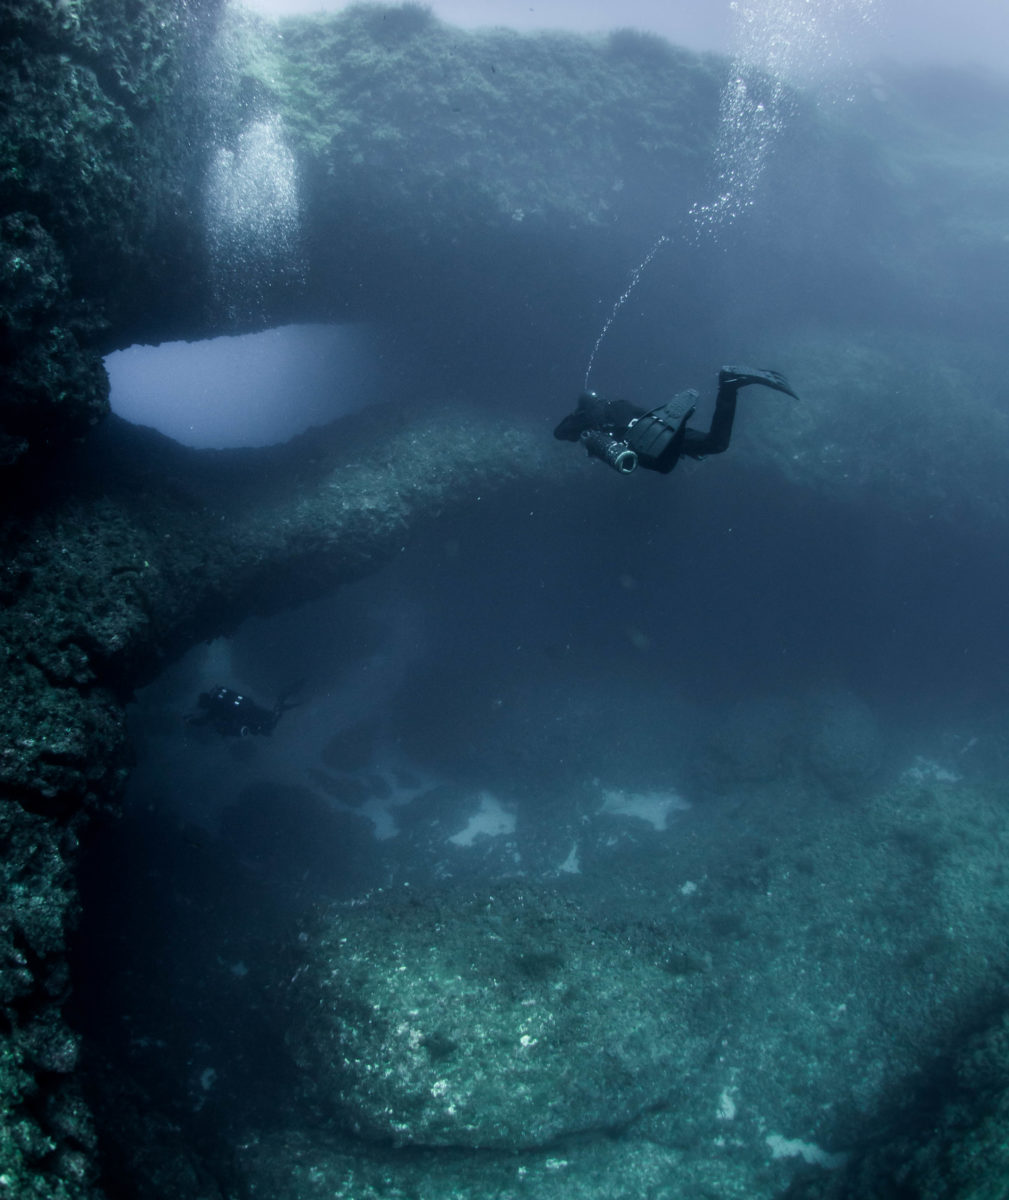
{"x": 176, "y": 171}
{"x": 168, "y": 171}
{"x": 93, "y": 171}
{"x": 141, "y": 549}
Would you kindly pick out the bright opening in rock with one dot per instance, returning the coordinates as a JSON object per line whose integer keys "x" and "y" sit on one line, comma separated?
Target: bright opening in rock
{"x": 252, "y": 390}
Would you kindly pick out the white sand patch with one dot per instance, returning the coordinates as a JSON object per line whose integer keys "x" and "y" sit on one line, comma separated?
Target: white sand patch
{"x": 927, "y": 770}
{"x": 652, "y": 807}
{"x": 490, "y": 820}
{"x": 782, "y": 1147}
{"x": 381, "y": 811}
{"x": 727, "y": 1105}
{"x": 571, "y": 865}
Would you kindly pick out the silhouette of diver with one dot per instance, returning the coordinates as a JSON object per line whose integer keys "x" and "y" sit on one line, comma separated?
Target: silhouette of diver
{"x": 626, "y": 436}
{"x": 231, "y": 714}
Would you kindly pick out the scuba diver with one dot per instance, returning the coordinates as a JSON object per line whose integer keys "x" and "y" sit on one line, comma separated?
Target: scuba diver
{"x": 233, "y": 715}
{"x": 625, "y": 436}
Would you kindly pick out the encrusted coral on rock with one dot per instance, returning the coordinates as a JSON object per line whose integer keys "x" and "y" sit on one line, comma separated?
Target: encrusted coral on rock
{"x": 499, "y": 1020}
{"x": 142, "y": 548}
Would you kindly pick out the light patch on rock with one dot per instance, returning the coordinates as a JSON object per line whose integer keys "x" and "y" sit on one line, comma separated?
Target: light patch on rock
{"x": 927, "y": 770}
{"x": 782, "y": 1147}
{"x": 490, "y": 820}
{"x": 382, "y": 810}
{"x": 571, "y": 865}
{"x": 652, "y": 807}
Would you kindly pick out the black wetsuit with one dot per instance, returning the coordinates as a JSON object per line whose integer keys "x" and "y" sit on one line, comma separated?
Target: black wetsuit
{"x": 659, "y": 437}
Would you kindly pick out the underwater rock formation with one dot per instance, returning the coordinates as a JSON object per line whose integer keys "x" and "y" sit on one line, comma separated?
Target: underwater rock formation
{"x": 846, "y": 744}
{"x": 189, "y": 171}
{"x": 893, "y": 419}
{"x": 818, "y": 974}
{"x": 408, "y": 160}
{"x": 96, "y": 148}
{"x": 122, "y": 551}
{"x": 142, "y": 548}
{"x": 486, "y": 1021}
{"x": 959, "y": 1151}
{"x": 181, "y": 170}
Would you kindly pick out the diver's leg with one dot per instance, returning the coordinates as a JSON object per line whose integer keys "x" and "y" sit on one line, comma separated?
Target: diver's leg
{"x": 697, "y": 444}
{"x": 730, "y": 380}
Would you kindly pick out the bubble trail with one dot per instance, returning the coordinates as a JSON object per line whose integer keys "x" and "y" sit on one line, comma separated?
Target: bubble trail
{"x": 780, "y": 45}
{"x": 252, "y": 213}
{"x": 636, "y": 274}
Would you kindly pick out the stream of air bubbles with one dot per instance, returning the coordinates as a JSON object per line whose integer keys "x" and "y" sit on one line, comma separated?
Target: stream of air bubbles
{"x": 778, "y": 45}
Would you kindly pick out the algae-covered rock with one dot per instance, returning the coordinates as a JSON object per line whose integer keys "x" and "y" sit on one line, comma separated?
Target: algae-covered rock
{"x": 50, "y": 381}
{"x": 847, "y": 953}
{"x": 93, "y": 160}
{"x": 492, "y": 127}
{"x": 47, "y": 1145}
{"x": 141, "y": 548}
{"x": 498, "y": 1020}
{"x": 907, "y": 422}
{"x": 961, "y": 1149}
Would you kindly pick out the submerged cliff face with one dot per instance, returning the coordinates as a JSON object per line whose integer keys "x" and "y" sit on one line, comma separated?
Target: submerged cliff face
{"x": 186, "y": 170}
{"x": 88, "y": 160}
{"x": 166, "y": 170}
{"x": 180, "y": 171}
{"x": 95, "y": 154}
{"x": 140, "y": 549}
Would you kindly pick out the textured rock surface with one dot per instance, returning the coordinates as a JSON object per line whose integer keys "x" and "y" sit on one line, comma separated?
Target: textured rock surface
{"x": 47, "y": 1145}
{"x": 961, "y": 1151}
{"x": 141, "y": 549}
{"x": 151, "y": 547}
{"x": 503, "y": 1020}
{"x": 93, "y": 167}
{"x": 835, "y": 955}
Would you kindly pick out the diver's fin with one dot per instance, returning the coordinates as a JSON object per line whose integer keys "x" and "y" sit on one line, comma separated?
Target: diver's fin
{"x": 741, "y": 376}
